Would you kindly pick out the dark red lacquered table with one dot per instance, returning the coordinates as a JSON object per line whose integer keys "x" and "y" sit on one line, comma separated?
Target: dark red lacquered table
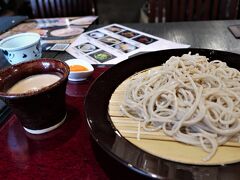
{"x": 69, "y": 152}
{"x": 65, "y": 153}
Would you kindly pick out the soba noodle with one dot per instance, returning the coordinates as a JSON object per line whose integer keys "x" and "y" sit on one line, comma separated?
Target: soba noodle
{"x": 192, "y": 100}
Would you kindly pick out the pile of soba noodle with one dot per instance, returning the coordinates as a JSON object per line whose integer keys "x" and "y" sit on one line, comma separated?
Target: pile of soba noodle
{"x": 193, "y": 100}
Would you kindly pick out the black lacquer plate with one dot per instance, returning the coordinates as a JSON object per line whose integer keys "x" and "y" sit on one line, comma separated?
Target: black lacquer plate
{"x": 108, "y": 138}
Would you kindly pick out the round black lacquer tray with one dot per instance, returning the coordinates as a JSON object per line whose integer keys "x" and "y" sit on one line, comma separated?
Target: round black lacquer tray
{"x": 126, "y": 153}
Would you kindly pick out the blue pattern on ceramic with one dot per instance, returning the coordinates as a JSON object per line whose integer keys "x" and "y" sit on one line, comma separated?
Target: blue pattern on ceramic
{"x": 21, "y": 47}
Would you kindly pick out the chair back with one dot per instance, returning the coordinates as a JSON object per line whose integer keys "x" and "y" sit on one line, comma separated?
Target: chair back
{"x": 191, "y": 10}
{"x": 62, "y": 8}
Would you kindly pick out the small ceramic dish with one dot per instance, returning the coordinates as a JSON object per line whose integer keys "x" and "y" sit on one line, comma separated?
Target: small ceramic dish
{"x": 79, "y": 74}
{"x": 21, "y": 47}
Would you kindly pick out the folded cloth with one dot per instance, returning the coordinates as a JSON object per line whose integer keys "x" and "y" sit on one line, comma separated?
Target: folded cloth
{"x": 8, "y": 22}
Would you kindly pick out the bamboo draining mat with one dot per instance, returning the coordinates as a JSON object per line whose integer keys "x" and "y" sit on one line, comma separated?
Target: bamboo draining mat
{"x": 164, "y": 146}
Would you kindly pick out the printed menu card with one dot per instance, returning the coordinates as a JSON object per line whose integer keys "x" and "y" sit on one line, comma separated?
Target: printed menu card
{"x": 114, "y": 43}
{"x": 56, "y": 33}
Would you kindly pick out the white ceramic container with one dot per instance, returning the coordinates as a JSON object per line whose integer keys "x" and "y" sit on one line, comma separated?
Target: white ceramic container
{"x": 21, "y": 47}
{"x": 79, "y": 75}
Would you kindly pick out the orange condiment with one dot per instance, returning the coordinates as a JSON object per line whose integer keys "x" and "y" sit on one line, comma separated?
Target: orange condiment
{"x": 78, "y": 68}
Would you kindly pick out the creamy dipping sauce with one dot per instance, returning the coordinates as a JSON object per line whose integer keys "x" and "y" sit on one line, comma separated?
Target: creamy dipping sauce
{"x": 33, "y": 83}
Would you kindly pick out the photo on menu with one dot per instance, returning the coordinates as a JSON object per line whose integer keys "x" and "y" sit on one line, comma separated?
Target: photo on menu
{"x": 54, "y": 28}
{"x": 110, "y": 40}
{"x": 59, "y": 47}
{"x": 54, "y": 47}
{"x": 61, "y": 28}
{"x": 114, "y": 29}
{"x": 102, "y": 56}
{"x": 96, "y": 35}
{"x": 86, "y": 47}
{"x": 125, "y": 47}
{"x": 64, "y": 32}
{"x": 128, "y": 34}
{"x": 47, "y": 46}
{"x": 145, "y": 39}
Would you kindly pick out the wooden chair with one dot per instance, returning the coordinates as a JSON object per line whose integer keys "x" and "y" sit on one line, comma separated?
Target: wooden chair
{"x": 190, "y": 10}
{"x": 62, "y": 8}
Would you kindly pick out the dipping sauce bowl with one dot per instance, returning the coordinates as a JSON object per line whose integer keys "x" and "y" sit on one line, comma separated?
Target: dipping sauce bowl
{"x": 39, "y": 110}
{"x": 79, "y": 69}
